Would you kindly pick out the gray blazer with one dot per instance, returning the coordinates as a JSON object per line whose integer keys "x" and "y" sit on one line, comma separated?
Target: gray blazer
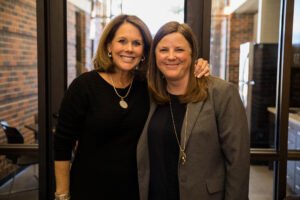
{"x": 218, "y": 159}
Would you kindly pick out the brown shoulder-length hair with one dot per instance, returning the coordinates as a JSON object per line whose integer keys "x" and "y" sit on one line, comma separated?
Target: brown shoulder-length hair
{"x": 102, "y": 62}
{"x": 196, "y": 89}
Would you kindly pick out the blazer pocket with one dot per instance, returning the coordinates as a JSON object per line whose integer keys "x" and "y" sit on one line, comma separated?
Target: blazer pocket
{"x": 215, "y": 185}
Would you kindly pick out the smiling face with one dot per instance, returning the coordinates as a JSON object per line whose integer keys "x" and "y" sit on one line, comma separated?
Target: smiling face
{"x": 173, "y": 57}
{"x": 126, "y": 47}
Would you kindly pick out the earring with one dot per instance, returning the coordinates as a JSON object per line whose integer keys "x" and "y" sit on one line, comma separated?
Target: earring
{"x": 137, "y": 67}
{"x": 109, "y": 54}
{"x": 143, "y": 58}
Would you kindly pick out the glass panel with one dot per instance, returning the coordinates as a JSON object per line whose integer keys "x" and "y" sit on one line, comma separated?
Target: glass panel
{"x": 86, "y": 20}
{"x": 294, "y": 115}
{"x": 168, "y": 10}
{"x": 79, "y": 44}
{"x": 18, "y": 98}
{"x": 293, "y": 178}
{"x": 218, "y": 40}
{"x": 293, "y": 166}
{"x": 244, "y": 49}
{"x": 261, "y": 181}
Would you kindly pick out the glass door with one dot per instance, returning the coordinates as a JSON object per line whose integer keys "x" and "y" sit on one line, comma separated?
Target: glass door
{"x": 19, "y": 134}
{"x": 250, "y": 47}
{"x": 293, "y": 164}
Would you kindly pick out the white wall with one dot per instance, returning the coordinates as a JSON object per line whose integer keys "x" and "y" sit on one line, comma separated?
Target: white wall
{"x": 268, "y": 21}
{"x": 255, "y": 18}
{"x": 82, "y": 4}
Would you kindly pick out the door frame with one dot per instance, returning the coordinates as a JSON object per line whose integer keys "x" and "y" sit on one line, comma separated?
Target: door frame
{"x": 280, "y": 154}
{"x": 52, "y": 83}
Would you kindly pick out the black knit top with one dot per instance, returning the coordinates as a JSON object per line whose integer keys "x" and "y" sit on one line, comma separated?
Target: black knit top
{"x": 164, "y": 150}
{"x": 107, "y": 135}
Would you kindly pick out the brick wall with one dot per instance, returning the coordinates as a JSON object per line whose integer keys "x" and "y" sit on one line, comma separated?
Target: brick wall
{"x": 79, "y": 44}
{"x": 18, "y": 63}
{"x": 71, "y": 37}
{"x": 218, "y": 45}
{"x": 18, "y": 68}
{"x": 240, "y": 31}
{"x": 227, "y": 33}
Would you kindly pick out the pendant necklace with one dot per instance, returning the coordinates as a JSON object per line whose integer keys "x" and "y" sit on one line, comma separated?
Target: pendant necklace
{"x": 182, "y": 154}
{"x": 122, "y": 101}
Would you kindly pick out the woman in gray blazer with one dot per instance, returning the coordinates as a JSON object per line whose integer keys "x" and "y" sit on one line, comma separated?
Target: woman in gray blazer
{"x": 195, "y": 144}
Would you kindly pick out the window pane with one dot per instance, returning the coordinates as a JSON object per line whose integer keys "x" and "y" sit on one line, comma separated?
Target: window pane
{"x": 244, "y": 49}
{"x": 155, "y": 13}
{"x": 294, "y": 111}
{"x": 87, "y": 19}
{"x": 261, "y": 181}
{"x": 293, "y": 178}
{"x": 18, "y": 97}
{"x": 293, "y": 166}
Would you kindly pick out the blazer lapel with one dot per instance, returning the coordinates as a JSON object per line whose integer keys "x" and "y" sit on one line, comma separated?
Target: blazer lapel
{"x": 142, "y": 148}
{"x": 194, "y": 110}
{"x": 152, "y": 108}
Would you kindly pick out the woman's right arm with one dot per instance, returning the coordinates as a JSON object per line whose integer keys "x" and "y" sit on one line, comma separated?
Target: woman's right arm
{"x": 62, "y": 176}
{"x": 71, "y": 114}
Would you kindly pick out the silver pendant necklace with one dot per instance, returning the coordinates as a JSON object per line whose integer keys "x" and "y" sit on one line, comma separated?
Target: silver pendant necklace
{"x": 182, "y": 154}
{"x": 122, "y": 101}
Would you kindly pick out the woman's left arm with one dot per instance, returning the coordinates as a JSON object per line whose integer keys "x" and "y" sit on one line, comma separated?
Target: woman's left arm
{"x": 235, "y": 143}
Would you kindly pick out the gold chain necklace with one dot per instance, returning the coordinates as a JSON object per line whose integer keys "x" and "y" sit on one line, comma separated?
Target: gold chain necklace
{"x": 182, "y": 154}
{"x": 122, "y": 102}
